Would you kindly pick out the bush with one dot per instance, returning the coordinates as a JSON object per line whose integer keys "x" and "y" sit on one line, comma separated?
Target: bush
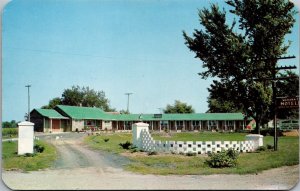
{"x": 191, "y": 154}
{"x": 270, "y": 147}
{"x": 223, "y": 159}
{"x": 9, "y": 132}
{"x": 261, "y": 148}
{"x": 152, "y": 153}
{"x": 127, "y": 145}
{"x": 29, "y": 154}
{"x": 38, "y": 148}
{"x": 270, "y": 132}
{"x": 106, "y": 139}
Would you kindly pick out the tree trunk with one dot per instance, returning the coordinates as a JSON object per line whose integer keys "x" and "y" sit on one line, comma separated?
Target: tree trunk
{"x": 257, "y": 127}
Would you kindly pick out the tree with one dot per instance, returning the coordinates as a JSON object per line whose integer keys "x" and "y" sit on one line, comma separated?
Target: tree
{"x": 221, "y": 104}
{"x": 123, "y": 111}
{"x": 81, "y": 96}
{"x": 73, "y": 96}
{"x": 11, "y": 124}
{"x": 85, "y": 97}
{"x": 236, "y": 56}
{"x": 52, "y": 103}
{"x": 179, "y": 107}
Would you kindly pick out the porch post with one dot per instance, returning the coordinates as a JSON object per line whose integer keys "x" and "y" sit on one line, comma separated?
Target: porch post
{"x": 234, "y": 125}
{"x": 208, "y": 125}
{"x": 44, "y": 124}
{"x": 159, "y": 124}
{"x": 200, "y": 126}
{"x": 51, "y": 125}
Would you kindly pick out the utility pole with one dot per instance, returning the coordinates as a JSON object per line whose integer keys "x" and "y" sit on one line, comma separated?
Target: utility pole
{"x": 160, "y": 110}
{"x": 28, "y": 114}
{"x": 274, "y": 79}
{"x": 128, "y": 94}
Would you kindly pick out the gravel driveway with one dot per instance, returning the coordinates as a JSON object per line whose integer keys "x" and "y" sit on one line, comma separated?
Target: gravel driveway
{"x": 78, "y": 167}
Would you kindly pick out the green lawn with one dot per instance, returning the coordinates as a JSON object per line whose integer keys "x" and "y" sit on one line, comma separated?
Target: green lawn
{"x": 287, "y": 154}
{"x": 11, "y": 160}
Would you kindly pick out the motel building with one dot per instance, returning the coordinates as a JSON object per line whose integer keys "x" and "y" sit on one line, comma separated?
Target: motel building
{"x": 65, "y": 118}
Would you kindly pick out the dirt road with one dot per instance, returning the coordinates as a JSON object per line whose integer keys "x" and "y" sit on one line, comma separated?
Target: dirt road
{"x": 81, "y": 168}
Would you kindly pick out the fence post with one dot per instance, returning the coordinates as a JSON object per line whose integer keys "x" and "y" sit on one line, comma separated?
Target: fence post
{"x": 257, "y": 140}
{"x": 136, "y": 132}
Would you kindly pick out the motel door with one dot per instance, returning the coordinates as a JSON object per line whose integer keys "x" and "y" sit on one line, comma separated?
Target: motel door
{"x": 55, "y": 125}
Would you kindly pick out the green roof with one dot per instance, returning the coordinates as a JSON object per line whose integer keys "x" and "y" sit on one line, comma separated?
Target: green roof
{"x": 76, "y": 112}
{"x": 50, "y": 113}
{"x": 178, "y": 117}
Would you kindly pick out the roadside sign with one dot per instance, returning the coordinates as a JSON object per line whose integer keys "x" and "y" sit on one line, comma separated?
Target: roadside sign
{"x": 288, "y": 102}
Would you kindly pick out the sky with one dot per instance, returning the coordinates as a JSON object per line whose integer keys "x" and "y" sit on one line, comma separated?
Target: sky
{"x": 115, "y": 46}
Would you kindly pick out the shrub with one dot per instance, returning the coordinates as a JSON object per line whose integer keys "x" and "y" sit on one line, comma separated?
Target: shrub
{"x": 191, "y": 154}
{"x": 270, "y": 147}
{"x": 127, "y": 145}
{"x": 106, "y": 139}
{"x": 261, "y": 148}
{"x": 9, "y": 132}
{"x": 223, "y": 159}
{"x": 38, "y": 148}
{"x": 152, "y": 153}
{"x": 29, "y": 154}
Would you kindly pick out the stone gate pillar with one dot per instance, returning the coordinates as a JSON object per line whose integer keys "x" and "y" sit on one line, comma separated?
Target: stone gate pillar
{"x": 26, "y": 136}
{"x": 257, "y": 139}
{"x": 136, "y": 132}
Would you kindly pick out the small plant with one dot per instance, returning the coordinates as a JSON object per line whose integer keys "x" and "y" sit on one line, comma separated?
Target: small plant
{"x": 261, "y": 148}
{"x": 38, "y": 148}
{"x": 127, "y": 145}
{"x": 270, "y": 147}
{"x": 134, "y": 149}
{"x": 106, "y": 139}
{"x": 191, "y": 154}
{"x": 222, "y": 159}
{"x": 152, "y": 153}
{"x": 29, "y": 154}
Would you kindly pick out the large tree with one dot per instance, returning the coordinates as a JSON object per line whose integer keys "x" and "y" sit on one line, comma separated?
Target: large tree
{"x": 52, "y": 103}
{"x": 179, "y": 107}
{"x": 237, "y": 55}
{"x": 81, "y": 96}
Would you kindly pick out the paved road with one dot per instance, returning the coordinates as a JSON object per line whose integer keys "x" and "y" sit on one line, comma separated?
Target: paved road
{"x": 78, "y": 167}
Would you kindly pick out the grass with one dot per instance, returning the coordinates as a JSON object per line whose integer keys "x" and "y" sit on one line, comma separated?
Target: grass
{"x": 98, "y": 142}
{"x": 163, "y": 164}
{"x": 12, "y": 161}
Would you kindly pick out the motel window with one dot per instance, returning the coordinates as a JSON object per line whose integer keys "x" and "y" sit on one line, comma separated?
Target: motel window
{"x": 196, "y": 123}
{"x": 179, "y": 123}
{"x": 90, "y": 122}
{"x": 212, "y": 123}
{"x": 230, "y": 123}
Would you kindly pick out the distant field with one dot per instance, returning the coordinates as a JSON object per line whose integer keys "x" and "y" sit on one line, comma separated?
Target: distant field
{"x": 287, "y": 154}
